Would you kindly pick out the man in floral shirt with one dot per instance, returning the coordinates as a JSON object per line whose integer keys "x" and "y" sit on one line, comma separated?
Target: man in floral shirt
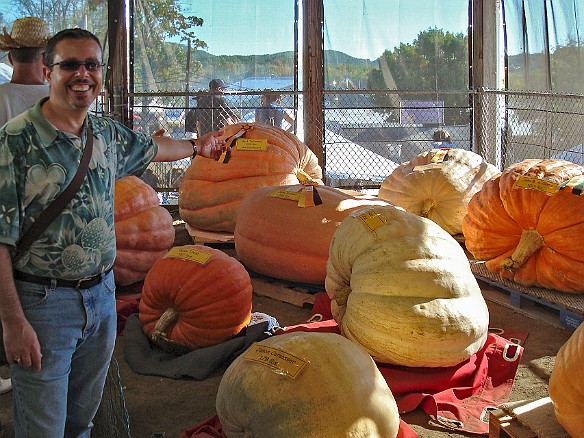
{"x": 59, "y": 330}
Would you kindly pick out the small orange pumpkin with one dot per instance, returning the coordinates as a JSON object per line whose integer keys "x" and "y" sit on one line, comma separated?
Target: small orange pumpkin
{"x": 523, "y": 224}
{"x": 194, "y": 297}
{"x": 144, "y": 230}
{"x": 211, "y": 192}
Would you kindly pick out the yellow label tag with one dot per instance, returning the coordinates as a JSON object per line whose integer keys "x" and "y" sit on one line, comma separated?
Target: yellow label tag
{"x": 251, "y": 144}
{"x": 371, "y": 219}
{"x": 428, "y": 167}
{"x": 286, "y": 194}
{"x": 279, "y": 360}
{"x": 439, "y": 156}
{"x": 189, "y": 254}
{"x": 541, "y": 185}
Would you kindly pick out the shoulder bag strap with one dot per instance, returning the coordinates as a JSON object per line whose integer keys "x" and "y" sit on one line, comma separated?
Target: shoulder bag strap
{"x": 61, "y": 201}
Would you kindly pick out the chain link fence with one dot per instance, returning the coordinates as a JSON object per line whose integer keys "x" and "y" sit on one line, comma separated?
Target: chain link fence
{"x": 366, "y": 134}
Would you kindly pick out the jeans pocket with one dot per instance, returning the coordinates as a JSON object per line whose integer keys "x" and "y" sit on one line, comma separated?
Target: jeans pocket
{"x": 109, "y": 282}
{"x": 31, "y": 294}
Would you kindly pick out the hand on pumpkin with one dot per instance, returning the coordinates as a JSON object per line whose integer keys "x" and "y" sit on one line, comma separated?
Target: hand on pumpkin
{"x": 210, "y": 145}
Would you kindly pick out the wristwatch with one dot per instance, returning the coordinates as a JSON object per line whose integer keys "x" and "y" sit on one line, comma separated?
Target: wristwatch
{"x": 192, "y": 141}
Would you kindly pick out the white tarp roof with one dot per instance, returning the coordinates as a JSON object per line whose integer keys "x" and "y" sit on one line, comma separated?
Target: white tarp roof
{"x": 348, "y": 160}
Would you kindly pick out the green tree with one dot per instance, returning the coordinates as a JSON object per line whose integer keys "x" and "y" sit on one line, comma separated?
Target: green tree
{"x": 435, "y": 61}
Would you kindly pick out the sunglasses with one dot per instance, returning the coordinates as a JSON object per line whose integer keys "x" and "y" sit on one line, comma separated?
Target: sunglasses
{"x": 74, "y": 65}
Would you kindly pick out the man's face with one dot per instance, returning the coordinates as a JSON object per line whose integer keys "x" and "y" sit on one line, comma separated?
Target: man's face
{"x": 76, "y": 88}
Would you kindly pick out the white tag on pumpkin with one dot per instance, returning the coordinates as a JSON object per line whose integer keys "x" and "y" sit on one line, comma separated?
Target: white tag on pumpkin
{"x": 189, "y": 254}
{"x": 251, "y": 144}
{"x": 280, "y": 361}
{"x": 541, "y": 185}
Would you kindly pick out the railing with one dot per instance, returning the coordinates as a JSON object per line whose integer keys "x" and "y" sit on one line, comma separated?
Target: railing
{"x": 366, "y": 134}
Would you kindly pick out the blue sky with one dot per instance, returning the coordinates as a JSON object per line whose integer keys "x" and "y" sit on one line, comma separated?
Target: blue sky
{"x": 361, "y": 28}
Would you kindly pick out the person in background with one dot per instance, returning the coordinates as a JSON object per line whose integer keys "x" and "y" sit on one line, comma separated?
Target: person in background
{"x": 212, "y": 112}
{"x": 25, "y": 46}
{"x": 57, "y": 299}
{"x": 441, "y": 139}
{"x": 272, "y": 114}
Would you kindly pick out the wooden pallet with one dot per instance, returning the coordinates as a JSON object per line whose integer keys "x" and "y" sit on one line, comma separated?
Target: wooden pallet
{"x": 203, "y": 237}
{"x": 568, "y": 309}
{"x": 525, "y": 419}
{"x": 299, "y": 295}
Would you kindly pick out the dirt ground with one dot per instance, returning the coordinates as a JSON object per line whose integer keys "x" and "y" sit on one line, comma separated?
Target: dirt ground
{"x": 161, "y": 407}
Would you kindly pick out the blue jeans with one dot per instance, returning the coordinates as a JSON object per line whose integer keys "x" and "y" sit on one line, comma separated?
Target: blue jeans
{"x": 76, "y": 330}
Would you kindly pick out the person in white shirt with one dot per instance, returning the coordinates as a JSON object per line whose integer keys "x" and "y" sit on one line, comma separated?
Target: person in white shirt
{"x": 25, "y": 46}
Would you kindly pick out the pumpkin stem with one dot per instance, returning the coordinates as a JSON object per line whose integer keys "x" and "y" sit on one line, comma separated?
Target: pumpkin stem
{"x": 168, "y": 318}
{"x": 529, "y": 243}
{"x": 429, "y": 204}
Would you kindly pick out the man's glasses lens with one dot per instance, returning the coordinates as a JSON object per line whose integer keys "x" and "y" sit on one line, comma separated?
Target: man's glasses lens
{"x": 74, "y": 65}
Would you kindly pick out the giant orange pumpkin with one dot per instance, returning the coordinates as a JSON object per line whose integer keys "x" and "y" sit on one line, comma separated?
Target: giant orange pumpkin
{"x": 194, "y": 297}
{"x": 523, "y": 224}
{"x": 211, "y": 191}
{"x": 144, "y": 229}
{"x": 274, "y": 236}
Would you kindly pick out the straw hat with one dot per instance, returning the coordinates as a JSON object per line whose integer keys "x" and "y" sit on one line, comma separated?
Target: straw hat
{"x": 26, "y": 32}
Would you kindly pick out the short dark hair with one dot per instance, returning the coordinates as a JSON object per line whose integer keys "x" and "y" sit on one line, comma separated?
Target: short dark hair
{"x": 441, "y": 135}
{"x": 67, "y": 34}
{"x": 26, "y": 55}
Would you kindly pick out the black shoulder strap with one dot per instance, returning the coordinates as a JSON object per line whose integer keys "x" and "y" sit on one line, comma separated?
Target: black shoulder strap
{"x": 61, "y": 201}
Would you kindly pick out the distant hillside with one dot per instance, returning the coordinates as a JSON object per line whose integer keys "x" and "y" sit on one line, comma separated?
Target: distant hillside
{"x": 332, "y": 57}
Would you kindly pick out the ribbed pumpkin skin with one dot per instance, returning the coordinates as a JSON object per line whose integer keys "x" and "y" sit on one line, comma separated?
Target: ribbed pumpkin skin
{"x": 213, "y": 301}
{"x": 566, "y": 386}
{"x": 275, "y": 237}
{"x": 339, "y": 393}
{"x": 405, "y": 291}
{"x": 144, "y": 230}
{"x": 499, "y": 214}
{"x": 440, "y": 193}
{"x": 211, "y": 192}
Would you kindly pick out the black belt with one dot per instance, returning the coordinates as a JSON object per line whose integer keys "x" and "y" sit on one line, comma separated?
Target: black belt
{"x": 82, "y": 283}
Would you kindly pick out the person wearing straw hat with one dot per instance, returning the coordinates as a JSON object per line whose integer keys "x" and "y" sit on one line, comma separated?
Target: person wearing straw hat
{"x": 25, "y": 45}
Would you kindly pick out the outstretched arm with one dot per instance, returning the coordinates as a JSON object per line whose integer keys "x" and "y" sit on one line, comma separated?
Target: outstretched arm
{"x": 170, "y": 149}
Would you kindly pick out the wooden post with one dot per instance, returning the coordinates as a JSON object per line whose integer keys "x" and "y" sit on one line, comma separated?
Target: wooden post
{"x": 117, "y": 85}
{"x": 313, "y": 77}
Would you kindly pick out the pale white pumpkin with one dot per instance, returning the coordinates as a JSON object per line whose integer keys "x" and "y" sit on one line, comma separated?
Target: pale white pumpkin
{"x": 438, "y": 184}
{"x": 402, "y": 288}
{"x": 339, "y": 392}
{"x": 566, "y": 386}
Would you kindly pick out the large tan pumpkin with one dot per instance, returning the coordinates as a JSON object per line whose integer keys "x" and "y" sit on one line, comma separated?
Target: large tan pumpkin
{"x": 566, "y": 386}
{"x": 438, "y": 184}
{"x": 402, "y": 288}
{"x": 144, "y": 230}
{"x": 276, "y": 237}
{"x": 524, "y": 226}
{"x": 339, "y": 392}
{"x": 211, "y": 191}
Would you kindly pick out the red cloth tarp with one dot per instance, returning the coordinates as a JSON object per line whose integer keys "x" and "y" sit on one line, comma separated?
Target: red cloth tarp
{"x": 458, "y": 398}
{"x": 211, "y": 428}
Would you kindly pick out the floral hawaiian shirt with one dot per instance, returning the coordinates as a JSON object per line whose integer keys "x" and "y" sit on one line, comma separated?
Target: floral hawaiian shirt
{"x": 37, "y": 162}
